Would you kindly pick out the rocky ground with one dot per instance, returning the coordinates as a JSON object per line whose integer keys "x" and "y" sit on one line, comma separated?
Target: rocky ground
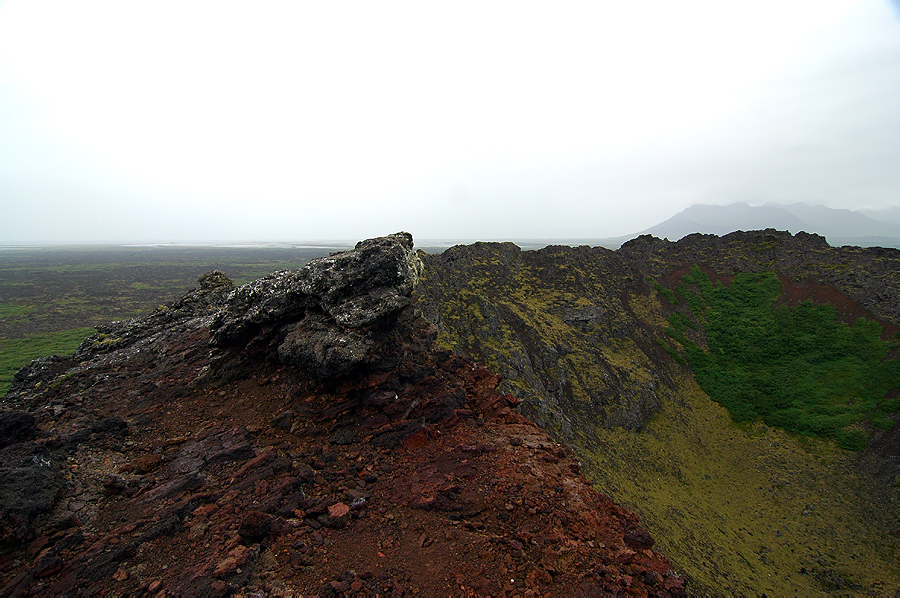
{"x": 300, "y": 435}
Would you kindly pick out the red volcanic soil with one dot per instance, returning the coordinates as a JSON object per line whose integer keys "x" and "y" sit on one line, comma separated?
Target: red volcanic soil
{"x": 846, "y": 309}
{"x": 793, "y": 293}
{"x": 261, "y": 480}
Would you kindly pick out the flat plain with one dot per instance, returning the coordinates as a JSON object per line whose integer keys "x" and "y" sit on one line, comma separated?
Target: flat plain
{"x": 53, "y": 297}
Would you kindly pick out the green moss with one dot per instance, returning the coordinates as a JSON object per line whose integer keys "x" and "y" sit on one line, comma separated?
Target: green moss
{"x": 745, "y": 509}
{"x": 694, "y": 301}
{"x": 60, "y": 380}
{"x": 104, "y": 340}
{"x": 798, "y": 368}
{"x": 673, "y": 353}
{"x": 14, "y": 353}
{"x": 881, "y": 422}
{"x": 515, "y": 314}
{"x": 668, "y": 294}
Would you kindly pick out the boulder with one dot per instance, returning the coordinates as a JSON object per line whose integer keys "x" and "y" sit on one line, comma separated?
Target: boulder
{"x": 326, "y": 314}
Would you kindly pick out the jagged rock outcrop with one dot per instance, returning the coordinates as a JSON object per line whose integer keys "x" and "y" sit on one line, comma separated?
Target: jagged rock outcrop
{"x": 300, "y": 435}
{"x": 327, "y": 314}
{"x": 355, "y": 288}
{"x": 558, "y": 324}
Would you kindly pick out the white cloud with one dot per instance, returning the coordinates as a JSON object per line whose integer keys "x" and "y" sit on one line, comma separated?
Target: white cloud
{"x": 287, "y": 105}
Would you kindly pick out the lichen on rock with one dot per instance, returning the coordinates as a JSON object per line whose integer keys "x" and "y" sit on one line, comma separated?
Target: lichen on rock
{"x": 327, "y": 314}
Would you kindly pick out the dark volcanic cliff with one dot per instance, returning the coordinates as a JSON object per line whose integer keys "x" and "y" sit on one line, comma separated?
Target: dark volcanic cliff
{"x": 560, "y": 324}
{"x": 300, "y": 435}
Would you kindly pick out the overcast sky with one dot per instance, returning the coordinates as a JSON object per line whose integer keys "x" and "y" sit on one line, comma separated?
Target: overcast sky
{"x": 208, "y": 121}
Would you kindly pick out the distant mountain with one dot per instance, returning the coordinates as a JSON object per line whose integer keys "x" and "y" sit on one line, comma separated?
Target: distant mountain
{"x": 889, "y": 214}
{"x": 830, "y": 222}
{"x": 840, "y": 227}
{"x": 721, "y": 220}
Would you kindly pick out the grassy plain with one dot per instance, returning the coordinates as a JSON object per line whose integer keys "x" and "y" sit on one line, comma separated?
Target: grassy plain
{"x": 52, "y": 297}
{"x": 14, "y": 353}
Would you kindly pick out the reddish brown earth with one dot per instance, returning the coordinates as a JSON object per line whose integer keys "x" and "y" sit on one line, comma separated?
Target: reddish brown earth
{"x": 846, "y": 309}
{"x": 189, "y": 472}
{"x": 793, "y": 293}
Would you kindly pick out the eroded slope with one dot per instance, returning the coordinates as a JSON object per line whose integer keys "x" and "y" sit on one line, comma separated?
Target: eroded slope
{"x": 557, "y": 324}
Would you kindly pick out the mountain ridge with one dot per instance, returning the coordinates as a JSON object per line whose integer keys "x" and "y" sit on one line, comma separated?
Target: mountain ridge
{"x": 839, "y": 226}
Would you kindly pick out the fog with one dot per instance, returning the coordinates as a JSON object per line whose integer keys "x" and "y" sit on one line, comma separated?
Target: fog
{"x": 213, "y": 121}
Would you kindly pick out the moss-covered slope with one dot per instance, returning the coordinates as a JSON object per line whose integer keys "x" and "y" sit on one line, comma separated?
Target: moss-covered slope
{"x": 750, "y": 510}
{"x": 558, "y": 324}
{"x": 742, "y": 509}
{"x": 794, "y": 367}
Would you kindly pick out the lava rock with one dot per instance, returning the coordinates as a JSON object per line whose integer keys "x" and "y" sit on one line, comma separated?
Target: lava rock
{"x": 325, "y": 314}
{"x": 215, "y": 279}
{"x": 30, "y": 481}
{"x": 16, "y": 426}
{"x": 317, "y": 346}
{"x": 343, "y": 436}
{"x": 255, "y": 525}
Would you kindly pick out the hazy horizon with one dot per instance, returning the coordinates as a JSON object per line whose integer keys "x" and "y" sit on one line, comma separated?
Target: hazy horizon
{"x": 891, "y": 215}
{"x": 281, "y": 121}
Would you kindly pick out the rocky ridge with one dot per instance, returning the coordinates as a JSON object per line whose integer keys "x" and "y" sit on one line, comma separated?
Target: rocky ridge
{"x": 558, "y": 324}
{"x": 299, "y": 435}
{"x": 575, "y": 332}
{"x": 868, "y": 276}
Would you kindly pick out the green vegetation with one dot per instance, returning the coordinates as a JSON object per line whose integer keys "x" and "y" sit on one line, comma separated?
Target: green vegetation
{"x": 673, "y": 353}
{"x": 52, "y": 297}
{"x": 797, "y": 368}
{"x": 747, "y": 510}
{"x": 17, "y": 352}
{"x": 8, "y": 310}
{"x": 667, "y": 293}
